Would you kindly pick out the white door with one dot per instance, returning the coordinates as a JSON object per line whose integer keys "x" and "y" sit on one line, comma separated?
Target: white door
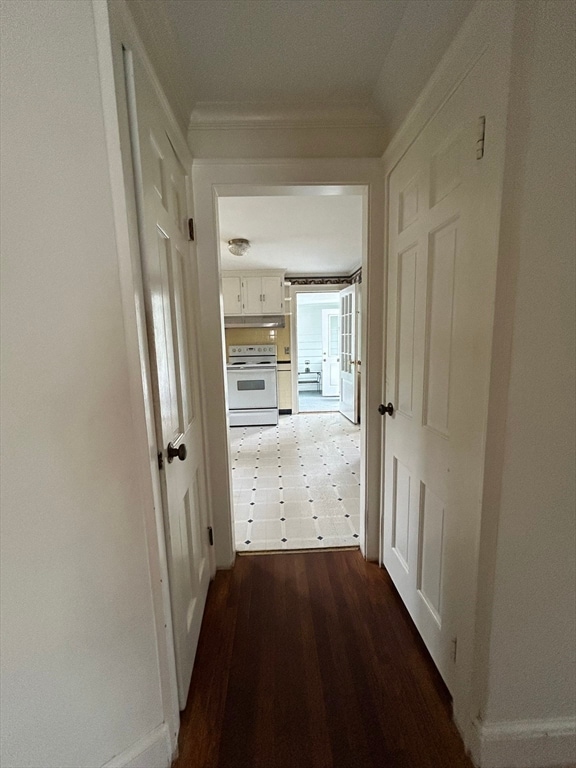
{"x": 232, "y": 295}
{"x": 330, "y": 352}
{"x": 169, "y": 269}
{"x": 443, "y": 225}
{"x": 272, "y": 295}
{"x": 348, "y": 369}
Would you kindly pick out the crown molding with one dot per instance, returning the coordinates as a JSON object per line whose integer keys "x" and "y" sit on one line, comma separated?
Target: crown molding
{"x": 369, "y": 164}
{"x": 233, "y": 115}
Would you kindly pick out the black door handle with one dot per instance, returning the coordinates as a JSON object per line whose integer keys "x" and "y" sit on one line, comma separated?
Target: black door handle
{"x": 389, "y": 409}
{"x": 176, "y": 453}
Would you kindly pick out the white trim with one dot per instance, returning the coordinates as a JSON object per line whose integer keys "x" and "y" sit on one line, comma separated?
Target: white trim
{"x": 232, "y": 114}
{"x": 210, "y": 179}
{"x": 152, "y": 751}
{"x": 114, "y": 28}
{"x": 524, "y": 743}
{"x": 366, "y": 164}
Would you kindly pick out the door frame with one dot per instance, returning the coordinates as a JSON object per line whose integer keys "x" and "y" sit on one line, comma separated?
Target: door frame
{"x": 294, "y": 291}
{"x": 220, "y": 178}
{"x": 115, "y": 33}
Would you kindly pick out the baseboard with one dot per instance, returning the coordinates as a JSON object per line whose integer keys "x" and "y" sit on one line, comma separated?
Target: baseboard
{"x": 151, "y": 751}
{"x": 525, "y": 744}
{"x": 285, "y": 411}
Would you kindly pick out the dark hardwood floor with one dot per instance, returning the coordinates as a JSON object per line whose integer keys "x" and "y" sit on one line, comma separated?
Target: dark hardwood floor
{"x": 310, "y": 661}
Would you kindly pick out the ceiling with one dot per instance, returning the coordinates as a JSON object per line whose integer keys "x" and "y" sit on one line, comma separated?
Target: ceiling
{"x": 305, "y": 235}
{"x": 284, "y": 51}
{"x": 257, "y": 58}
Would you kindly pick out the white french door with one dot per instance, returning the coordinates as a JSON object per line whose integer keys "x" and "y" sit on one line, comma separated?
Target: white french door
{"x": 443, "y": 216}
{"x": 169, "y": 270}
{"x": 348, "y": 404}
{"x": 330, "y": 353}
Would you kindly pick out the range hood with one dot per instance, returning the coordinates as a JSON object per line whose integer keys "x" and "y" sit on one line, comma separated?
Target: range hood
{"x": 255, "y": 321}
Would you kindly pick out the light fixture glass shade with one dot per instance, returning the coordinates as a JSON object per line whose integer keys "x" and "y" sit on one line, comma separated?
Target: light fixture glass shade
{"x": 238, "y": 246}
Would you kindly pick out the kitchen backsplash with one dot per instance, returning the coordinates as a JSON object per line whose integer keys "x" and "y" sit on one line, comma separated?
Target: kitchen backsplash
{"x": 278, "y": 336}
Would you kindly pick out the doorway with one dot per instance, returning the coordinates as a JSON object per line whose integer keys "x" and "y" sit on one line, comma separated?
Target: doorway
{"x": 317, "y": 331}
{"x": 214, "y": 183}
{"x": 296, "y": 479}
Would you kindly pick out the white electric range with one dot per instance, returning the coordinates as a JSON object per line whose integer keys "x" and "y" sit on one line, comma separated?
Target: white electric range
{"x": 252, "y": 385}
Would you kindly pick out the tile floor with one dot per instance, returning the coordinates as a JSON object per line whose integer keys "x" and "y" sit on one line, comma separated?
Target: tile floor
{"x": 314, "y": 401}
{"x": 296, "y": 485}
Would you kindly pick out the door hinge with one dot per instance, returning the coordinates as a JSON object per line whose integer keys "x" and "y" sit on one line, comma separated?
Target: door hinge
{"x": 480, "y": 137}
{"x": 160, "y": 460}
{"x": 190, "y": 229}
{"x": 454, "y": 649}
{"x": 210, "y": 535}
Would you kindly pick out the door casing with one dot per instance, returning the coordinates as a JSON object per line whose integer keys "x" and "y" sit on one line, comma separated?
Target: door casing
{"x": 212, "y": 180}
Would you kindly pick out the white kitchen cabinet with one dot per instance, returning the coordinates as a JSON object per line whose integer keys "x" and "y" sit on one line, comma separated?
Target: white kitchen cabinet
{"x": 272, "y": 295}
{"x": 263, "y": 295}
{"x": 253, "y": 293}
{"x": 232, "y": 295}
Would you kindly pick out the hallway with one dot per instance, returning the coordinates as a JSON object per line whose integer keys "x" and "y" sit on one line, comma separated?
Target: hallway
{"x": 309, "y": 660}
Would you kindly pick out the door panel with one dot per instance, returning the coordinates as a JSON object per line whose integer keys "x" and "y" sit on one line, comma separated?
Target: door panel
{"x": 406, "y": 298}
{"x": 330, "y": 352}
{"x": 440, "y": 290}
{"x": 169, "y": 286}
{"x": 441, "y": 282}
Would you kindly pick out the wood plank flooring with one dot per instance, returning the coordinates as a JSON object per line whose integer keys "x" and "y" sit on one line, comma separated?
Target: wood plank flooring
{"x": 309, "y": 660}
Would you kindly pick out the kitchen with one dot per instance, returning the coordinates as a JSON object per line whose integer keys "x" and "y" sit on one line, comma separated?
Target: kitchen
{"x": 295, "y": 475}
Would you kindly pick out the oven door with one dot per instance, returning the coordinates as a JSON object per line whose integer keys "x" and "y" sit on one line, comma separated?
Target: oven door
{"x": 252, "y": 388}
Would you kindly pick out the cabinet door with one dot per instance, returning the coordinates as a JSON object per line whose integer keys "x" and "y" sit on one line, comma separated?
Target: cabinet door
{"x": 272, "y": 295}
{"x": 252, "y": 295}
{"x": 232, "y": 295}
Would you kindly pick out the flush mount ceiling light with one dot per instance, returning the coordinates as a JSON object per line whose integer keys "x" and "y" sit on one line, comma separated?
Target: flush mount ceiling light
{"x": 238, "y": 246}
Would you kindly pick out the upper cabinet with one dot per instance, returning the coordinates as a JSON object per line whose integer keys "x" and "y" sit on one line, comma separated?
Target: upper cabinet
{"x": 254, "y": 294}
{"x": 232, "y": 293}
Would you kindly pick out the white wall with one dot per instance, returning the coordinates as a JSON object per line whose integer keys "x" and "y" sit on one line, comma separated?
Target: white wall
{"x": 80, "y": 674}
{"x": 528, "y": 650}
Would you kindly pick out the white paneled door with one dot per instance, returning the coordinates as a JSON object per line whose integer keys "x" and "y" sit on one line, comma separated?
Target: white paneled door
{"x": 348, "y": 404}
{"x": 443, "y": 203}
{"x": 330, "y": 353}
{"x": 169, "y": 270}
